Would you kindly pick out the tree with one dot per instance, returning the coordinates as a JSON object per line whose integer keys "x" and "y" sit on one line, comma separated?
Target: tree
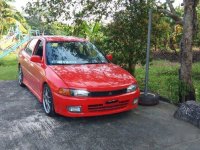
{"x": 127, "y": 34}
{"x": 9, "y": 17}
{"x": 197, "y": 36}
{"x": 161, "y": 30}
{"x": 91, "y": 31}
{"x": 186, "y": 88}
{"x": 189, "y": 28}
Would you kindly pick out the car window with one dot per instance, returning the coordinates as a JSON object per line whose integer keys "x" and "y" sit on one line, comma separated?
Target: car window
{"x": 39, "y": 49}
{"x": 30, "y": 47}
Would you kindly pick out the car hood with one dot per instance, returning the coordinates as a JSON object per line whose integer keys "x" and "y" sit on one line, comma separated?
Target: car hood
{"x": 94, "y": 77}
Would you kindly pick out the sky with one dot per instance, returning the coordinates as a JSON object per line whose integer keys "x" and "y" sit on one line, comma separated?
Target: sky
{"x": 176, "y": 2}
{"x": 22, "y": 3}
{"x": 18, "y": 4}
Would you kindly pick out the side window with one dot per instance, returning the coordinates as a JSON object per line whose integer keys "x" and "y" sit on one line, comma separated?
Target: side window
{"x": 30, "y": 47}
{"x": 39, "y": 49}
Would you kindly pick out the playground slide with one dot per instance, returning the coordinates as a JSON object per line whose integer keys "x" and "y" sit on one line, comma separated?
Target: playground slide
{"x": 5, "y": 38}
{"x": 12, "y": 48}
{"x": 16, "y": 37}
{"x": 8, "y": 41}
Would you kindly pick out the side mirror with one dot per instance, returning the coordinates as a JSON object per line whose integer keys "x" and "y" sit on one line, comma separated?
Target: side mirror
{"x": 109, "y": 57}
{"x": 36, "y": 59}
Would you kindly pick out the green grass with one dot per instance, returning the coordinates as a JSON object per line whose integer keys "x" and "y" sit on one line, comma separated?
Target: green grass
{"x": 163, "y": 78}
{"x": 8, "y": 67}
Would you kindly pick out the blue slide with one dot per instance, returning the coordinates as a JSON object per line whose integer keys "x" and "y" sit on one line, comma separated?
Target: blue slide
{"x": 14, "y": 47}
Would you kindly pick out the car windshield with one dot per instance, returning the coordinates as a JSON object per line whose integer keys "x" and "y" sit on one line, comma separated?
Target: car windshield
{"x": 61, "y": 53}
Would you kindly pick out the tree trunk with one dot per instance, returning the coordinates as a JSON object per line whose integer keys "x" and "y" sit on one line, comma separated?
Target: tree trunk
{"x": 171, "y": 45}
{"x": 131, "y": 68}
{"x": 186, "y": 89}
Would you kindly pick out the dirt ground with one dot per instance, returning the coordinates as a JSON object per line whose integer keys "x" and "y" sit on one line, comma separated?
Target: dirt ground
{"x": 24, "y": 126}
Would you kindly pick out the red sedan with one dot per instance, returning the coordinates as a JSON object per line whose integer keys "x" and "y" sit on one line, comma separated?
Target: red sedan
{"x": 72, "y": 78}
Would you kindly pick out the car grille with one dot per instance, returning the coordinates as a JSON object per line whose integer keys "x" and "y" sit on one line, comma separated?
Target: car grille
{"x": 108, "y": 93}
{"x": 107, "y": 107}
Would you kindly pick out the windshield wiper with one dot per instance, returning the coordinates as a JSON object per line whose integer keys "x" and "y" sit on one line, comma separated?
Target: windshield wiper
{"x": 79, "y": 64}
{"x": 63, "y": 64}
{"x": 95, "y": 63}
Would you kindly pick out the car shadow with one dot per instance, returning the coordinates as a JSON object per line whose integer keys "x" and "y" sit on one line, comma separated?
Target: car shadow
{"x": 94, "y": 119}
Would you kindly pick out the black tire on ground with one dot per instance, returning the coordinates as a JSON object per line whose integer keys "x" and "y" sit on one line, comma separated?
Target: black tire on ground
{"x": 47, "y": 102}
{"x": 20, "y": 76}
{"x": 150, "y": 99}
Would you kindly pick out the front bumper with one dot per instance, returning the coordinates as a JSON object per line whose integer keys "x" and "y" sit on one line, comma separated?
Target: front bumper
{"x": 95, "y": 106}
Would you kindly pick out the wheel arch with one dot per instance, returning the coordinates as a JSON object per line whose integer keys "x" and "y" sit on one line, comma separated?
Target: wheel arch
{"x": 44, "y": 83}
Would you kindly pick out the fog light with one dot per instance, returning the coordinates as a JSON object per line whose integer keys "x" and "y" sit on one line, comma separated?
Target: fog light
{"x": 76, "y": 109}
{"x": 135, "y": 101}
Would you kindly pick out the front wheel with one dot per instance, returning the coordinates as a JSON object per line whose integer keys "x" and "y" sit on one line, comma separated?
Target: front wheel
{"x": 48, "y": 101}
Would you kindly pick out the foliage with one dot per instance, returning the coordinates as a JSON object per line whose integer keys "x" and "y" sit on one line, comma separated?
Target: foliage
{"x": 166, "y": 32}
{"x": 52, "y": 10}
{"x": 54, "y": 28}
{"x": 163, "y": 79}
{"x": 8, "y": 67}
{"x": 124, "y": 36}
{"x": 161, "y": 31}
{"x": 129, "y": 19}
{"x": 163, "y": 76}
{"x": 127, "y": 35}
{"x": 9, "y": 16}
{"x": 197, "y": 34}
{"x": 81, "y": 12}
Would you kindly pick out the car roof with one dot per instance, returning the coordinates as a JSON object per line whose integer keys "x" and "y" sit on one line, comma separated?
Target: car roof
{"x": 58, "y": 38}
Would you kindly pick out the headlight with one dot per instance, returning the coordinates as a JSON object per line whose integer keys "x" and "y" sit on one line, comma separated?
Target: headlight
{"x": 81, "y": 93}
{"x": 132, "y": 88}
{"x": 73, "y": 92}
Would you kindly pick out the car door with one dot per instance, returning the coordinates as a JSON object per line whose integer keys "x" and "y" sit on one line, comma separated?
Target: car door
{"x": 25, "y": 61}
{"x": 37, "y": 69}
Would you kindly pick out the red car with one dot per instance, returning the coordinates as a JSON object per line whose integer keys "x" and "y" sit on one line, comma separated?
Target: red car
{"x": 72, "y": 78}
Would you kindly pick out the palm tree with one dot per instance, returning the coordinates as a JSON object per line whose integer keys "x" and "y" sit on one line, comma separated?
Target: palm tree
{"x": 9, "y": 16}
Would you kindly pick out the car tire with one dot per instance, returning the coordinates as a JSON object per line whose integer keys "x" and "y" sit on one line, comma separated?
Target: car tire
{"x": 150, "y": 99}
{"x": 47, "y": 101}
{"x": 20, "y": 77}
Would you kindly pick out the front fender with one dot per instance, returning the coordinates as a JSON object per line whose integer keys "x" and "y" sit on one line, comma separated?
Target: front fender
{"x": 53, "y": 80}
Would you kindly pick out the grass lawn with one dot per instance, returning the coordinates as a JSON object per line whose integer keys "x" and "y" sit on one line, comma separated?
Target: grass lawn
{"x": 8, "y": 67}
{"x": 163, "y": 76}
